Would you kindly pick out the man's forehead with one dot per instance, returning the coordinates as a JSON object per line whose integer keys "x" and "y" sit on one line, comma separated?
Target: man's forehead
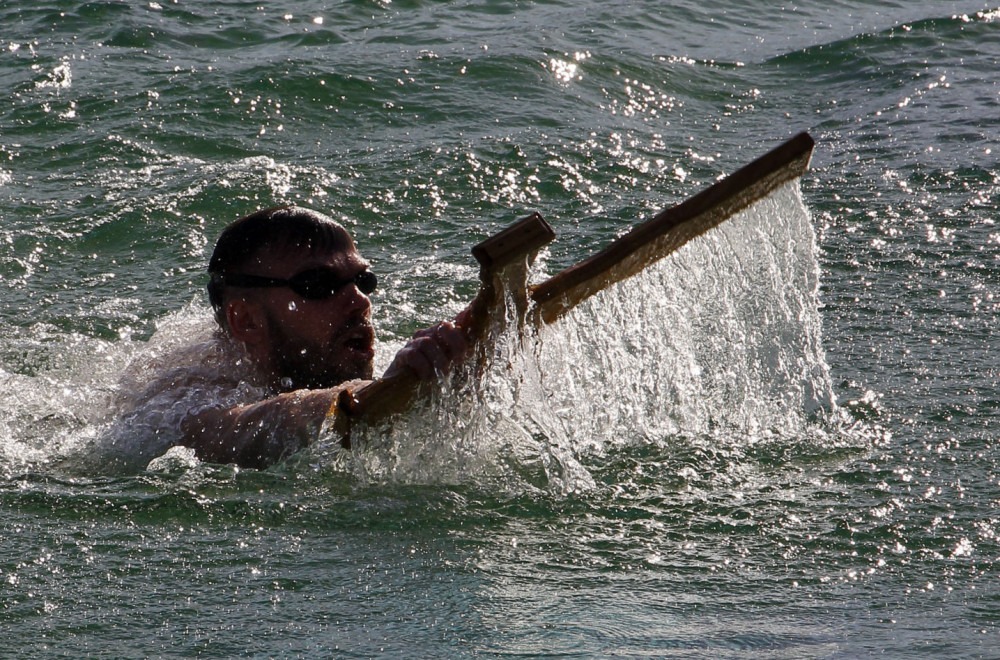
{"x": 298, "y": 257}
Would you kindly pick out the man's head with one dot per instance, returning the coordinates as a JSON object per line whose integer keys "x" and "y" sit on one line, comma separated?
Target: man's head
{"x": 289, "y": 283}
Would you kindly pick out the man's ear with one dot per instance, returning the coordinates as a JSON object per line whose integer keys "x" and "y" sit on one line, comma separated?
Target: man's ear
{"x": 246, "y": 321}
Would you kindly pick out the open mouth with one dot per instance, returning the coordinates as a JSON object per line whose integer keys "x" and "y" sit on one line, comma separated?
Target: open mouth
{"x": 358, "y": 344}
{"x": 361, "y": 340}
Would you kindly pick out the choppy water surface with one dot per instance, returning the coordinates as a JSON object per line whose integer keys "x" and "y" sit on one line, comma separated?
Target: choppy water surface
{"x": 778, "y": 443}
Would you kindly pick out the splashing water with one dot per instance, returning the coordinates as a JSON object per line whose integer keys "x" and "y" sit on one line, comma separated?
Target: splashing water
{"x": 720, "y": 339}
{"x": 724, "y": 334}
{"x": 57, "y": 393}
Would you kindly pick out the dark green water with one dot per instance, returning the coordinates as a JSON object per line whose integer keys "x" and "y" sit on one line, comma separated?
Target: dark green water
{"x": 666, "y": 476}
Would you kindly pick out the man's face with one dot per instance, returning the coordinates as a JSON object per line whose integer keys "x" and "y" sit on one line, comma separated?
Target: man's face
{"x": 316, "y": 343}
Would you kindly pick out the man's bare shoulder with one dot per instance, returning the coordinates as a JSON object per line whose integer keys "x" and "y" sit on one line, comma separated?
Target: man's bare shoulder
{"x": 189, "y": 358}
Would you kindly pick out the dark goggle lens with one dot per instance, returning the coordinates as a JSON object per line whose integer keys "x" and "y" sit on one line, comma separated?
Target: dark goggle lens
{"x": 323, "y": 283}
{"x": 366, "y": 281}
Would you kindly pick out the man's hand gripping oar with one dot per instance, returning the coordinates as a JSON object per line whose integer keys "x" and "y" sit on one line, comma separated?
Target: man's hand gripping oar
{"x": 503, "y": 260}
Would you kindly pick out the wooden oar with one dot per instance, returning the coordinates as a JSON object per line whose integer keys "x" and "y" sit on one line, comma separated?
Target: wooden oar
{"x": 504, "y": 260}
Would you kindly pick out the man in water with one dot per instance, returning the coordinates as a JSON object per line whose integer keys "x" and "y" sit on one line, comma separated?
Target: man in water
{"x": 290, "y": 294}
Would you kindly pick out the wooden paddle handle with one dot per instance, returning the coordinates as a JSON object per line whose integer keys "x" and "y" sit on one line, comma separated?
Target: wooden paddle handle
{"x": 517, "y": 243}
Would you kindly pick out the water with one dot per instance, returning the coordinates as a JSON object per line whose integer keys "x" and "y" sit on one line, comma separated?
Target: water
{"x": 723, "y": 477}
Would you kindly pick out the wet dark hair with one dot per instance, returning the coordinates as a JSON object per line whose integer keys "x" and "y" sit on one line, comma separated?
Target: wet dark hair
{"x": 280, "y": 228}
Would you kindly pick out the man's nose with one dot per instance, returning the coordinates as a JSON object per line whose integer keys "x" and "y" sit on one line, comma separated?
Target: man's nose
{"x": 355, "y": 299}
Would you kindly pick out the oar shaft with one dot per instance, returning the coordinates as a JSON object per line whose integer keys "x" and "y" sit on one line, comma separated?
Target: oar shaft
{"x": 673, "y": 227}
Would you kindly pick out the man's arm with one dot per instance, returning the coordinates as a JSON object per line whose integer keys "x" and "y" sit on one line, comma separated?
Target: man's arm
{"x": 261, "y": 434}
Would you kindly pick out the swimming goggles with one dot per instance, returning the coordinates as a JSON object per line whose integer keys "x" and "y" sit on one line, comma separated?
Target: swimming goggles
{"x": 313, "y": 284}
